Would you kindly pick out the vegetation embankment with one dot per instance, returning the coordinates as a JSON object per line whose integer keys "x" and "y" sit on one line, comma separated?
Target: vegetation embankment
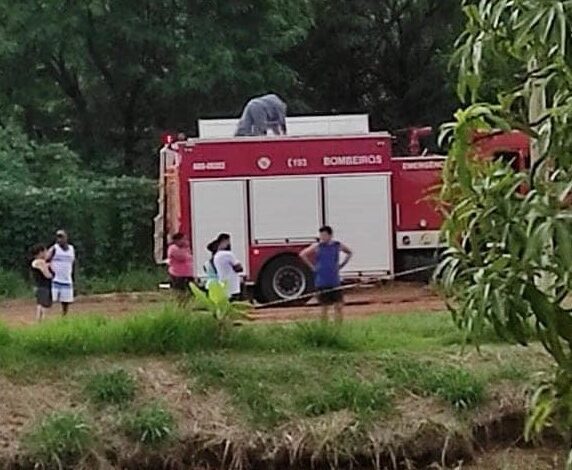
{"x": 167, "y": 383}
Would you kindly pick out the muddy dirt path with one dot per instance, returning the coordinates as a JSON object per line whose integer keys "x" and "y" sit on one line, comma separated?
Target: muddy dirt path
{"x": 393, "y": 298}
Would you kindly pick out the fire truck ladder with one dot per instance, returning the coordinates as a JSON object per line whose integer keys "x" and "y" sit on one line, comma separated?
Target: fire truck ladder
{"x": 168, "y": 219}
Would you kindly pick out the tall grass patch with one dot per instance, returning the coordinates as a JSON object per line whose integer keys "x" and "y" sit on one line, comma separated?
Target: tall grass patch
{"x": 152, "y": 425}
{"x": 116, "y": 387}
{"x": 59, "y": 441}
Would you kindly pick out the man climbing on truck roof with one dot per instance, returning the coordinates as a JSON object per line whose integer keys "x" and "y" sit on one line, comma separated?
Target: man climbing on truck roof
{"x": 263, "y": 113}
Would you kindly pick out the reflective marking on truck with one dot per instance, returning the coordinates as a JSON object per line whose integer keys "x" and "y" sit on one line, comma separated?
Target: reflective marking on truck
{"x": 431, "y": 165}
{"x": 352, "y": 160}
{"x": 205, "y": 166}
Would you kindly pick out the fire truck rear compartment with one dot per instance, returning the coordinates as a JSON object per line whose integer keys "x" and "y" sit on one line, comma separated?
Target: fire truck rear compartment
{"x": 271, "y": 219}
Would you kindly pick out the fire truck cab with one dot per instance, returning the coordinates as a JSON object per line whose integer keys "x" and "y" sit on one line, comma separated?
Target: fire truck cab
{"x": 271, "y": 194}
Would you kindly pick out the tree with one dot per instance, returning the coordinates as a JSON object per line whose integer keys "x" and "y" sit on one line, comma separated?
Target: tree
{"x": 384, "y": 57}
{"x": 26, "y": 163}
{"x": 110, "y": 74}
{"x": 509, "y": 261}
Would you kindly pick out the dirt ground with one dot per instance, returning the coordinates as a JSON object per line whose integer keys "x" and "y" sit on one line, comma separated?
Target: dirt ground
{"x": 392, "y": 298}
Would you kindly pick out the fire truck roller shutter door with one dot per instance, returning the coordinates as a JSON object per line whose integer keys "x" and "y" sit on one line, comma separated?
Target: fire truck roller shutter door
{"x": 359, "y": 210}
{"x": 285, "y": 210}
{"x": 218, "y": 207}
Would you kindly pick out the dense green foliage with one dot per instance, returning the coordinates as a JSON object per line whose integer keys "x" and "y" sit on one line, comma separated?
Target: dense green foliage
{"x": 107, "y": 78}
{"x": 110, "y": 222}
{"x": 387, "y": 58}
{"x": 23, "y": 161}
{"x": 509, "y": 259}
{"x": 43, "y": 188}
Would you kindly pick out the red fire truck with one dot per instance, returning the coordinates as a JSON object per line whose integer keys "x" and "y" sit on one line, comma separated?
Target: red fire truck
{"x": 273, "y": 193}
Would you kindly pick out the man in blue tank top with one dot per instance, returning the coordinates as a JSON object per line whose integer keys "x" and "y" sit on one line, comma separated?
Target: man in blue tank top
{"x": 324, "y": 259}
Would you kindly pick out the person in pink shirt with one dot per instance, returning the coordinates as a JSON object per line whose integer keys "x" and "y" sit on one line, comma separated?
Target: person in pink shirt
{"x": 180, "y": 262}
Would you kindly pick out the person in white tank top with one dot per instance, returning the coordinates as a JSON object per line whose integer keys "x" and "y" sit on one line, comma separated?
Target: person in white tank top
{"x": 62, "y": 261}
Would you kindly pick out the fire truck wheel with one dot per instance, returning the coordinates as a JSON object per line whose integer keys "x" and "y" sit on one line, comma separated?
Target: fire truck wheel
{"x": 285, "y": 278}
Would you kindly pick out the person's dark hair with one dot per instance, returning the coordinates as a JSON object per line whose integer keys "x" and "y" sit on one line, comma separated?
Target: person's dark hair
{"x": 213, "y": 246}
{"x": 178, "y": 236}
{"x": 37, "y": 249}
{"x": 223, "y": 237}
{"x": 326, "y": 229}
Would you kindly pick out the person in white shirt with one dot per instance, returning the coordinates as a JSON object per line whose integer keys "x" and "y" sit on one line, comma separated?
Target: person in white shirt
{"x": 228, "y": 268}
{"x": 62, "y": 262}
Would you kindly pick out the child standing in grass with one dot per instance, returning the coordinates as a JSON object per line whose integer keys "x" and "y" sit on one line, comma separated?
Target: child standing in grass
{"x": 209, "y": 267}
{"x": 42, "y": 275}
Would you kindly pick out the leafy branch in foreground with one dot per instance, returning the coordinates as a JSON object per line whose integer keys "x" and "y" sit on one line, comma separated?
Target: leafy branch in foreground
{"x": 509, "y": 235}
{"x": 216, "y": 302}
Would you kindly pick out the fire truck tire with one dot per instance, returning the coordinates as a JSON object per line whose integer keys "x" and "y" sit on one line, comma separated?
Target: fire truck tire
{"x": 285, "y": 278}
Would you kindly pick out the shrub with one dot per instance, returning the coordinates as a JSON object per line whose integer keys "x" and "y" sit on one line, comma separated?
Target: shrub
{"x": 150, "y": 425}
{"x": 60, "y": 439}
{"x": 116, "y": 387}
{"x": 13, "y": 285}
{"x": 27, "y": 162}
{"x": 109, "y": 221}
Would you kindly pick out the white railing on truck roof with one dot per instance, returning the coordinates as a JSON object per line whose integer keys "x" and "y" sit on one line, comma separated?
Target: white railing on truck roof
{"x": 341, "y": 124}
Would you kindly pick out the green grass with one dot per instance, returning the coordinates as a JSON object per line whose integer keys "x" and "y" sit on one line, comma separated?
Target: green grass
{"x": 171, "y": 331}
{"x": 150, "y": 425}
{"x": 269, "y": 390}
{"x": 460, "y": 387}
{"x": 59, "y": 440}
{"x": 116, "y": 387}
{"x": 168, "y": 330}
{"x": 347, "y": 393}
{"x": 271, "y": 373}
{"x": 5, "y": 336}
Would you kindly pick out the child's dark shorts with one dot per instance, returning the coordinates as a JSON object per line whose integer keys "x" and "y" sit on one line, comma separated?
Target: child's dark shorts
{"x": 44, "y": 296}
